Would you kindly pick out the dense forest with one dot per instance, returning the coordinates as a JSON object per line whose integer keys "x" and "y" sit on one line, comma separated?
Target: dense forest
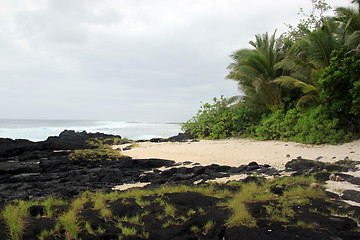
{"x": 302, "y": 86}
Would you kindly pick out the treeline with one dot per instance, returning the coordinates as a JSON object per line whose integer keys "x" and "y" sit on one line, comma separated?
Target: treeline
{"x": 303, "y": 86}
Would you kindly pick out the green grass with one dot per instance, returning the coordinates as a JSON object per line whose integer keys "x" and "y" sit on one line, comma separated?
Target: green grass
{"x": 47, "y": 233}
{"x": 102, "y": 151}
{"x": 240, "y": 215}
{"x": 133, "y": 220}
{"x": 89, "y": 229}
{"x": 201, "y": 211}
{"x": 14, "y": 215}
{"x": 170, "y": 210}
{"x": 278, "y": 213}
{"x": 208, "y": 226}
{"x": 278, "y": 208}
{"x": 194, "y": 229}
{"x": 49, "y": 203}
{"x": 302, "y": 224}
{"x": 127, "y": 231}
{"x": 70, "y": 224}
{"x": 170, "y": 223}
{"x": 142, "y": 203}
{"x": 191, "y": 212}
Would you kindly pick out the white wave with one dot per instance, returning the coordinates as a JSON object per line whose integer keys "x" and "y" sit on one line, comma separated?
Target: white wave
{"x": 40, "y": 130}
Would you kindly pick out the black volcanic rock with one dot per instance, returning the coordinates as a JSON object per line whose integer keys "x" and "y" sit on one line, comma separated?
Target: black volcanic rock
{"x": 71, "y": 140}
{"x": 67, "y": 140}
{"x": 304, "y": 166}
{"x": 10, "y": 148}
{"x": 181, "y": 137}
{"x": 352, "y": 195}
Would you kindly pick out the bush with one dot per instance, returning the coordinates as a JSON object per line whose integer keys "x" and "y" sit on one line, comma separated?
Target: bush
{"x": 219, "y": 120}
{"x": 314, "y": 126}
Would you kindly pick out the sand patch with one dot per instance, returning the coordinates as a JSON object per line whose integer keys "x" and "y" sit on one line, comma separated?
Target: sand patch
{"x": 235, "y": 152}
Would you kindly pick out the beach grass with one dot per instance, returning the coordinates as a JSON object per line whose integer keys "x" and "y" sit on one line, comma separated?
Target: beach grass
{"x": 69, "y": 223}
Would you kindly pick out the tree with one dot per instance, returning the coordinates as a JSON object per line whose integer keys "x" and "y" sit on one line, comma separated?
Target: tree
{"x": 307, "y": 59}
{"x": 311, "y": 21}
{"x": 255, "y": 70}
{"x": 340, "y": 88}
{"x": 349, "y": 19}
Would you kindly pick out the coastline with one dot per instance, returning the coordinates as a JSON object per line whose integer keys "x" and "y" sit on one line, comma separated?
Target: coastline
{"x": 234, "y": 152}
{"x": 174, "y": 196}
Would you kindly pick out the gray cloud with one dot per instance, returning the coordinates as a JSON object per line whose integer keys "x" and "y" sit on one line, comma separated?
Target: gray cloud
{"x": 126, "y": 60}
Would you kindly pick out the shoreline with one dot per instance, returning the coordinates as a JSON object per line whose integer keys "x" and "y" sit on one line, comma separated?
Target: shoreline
{"x": 234, "y": 152}
{"x": 172, "y": 198}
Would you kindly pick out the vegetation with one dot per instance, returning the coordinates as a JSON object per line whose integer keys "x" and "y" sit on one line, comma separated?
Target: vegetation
{"x": 101, "y": 149}
{"x": 14, "y": 215}
{"x": 303, "y": 86}
{"x": 71, "y": 223}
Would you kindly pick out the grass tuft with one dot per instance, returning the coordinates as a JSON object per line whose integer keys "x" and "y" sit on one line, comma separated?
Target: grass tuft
{"x": 208, "y": 226}
{"x": 14, "y": 215}
{"x": 70, "y": 223}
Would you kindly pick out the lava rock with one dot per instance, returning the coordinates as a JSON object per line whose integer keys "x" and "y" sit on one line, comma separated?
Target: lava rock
{"x": 352, "y": 195}
{"x": 252, "y": 166}
{"x": 181, "y": 137}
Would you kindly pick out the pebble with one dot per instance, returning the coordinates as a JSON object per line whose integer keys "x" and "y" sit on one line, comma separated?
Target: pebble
{"x": 332, "y": 177}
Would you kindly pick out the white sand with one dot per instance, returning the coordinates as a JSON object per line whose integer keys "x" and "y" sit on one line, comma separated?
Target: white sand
{"x": 234, "y": 152}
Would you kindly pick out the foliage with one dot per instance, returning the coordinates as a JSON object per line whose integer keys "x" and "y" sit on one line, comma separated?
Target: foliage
{"x": 254, "y": 71}
{"x": 219, "y": 120}
{"x": 303, "y": 86}
{"x": 340, "y": 88}
{"x": 103, "y": 151}
{"x": 311, "y": 20}
{"x": 104, "y": 142}
{"x": 314, "y": 126}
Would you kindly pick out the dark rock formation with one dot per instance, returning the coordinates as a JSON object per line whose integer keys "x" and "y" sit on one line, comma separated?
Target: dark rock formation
{"x": 302, "y": 166}
{"x": 352, "y": 195}
{"x": 32, "y": 170}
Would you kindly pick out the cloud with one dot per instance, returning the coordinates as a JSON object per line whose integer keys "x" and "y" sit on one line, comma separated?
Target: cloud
{"x": 126, "y": 60}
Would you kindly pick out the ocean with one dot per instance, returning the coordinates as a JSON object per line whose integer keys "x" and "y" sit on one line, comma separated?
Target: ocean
{"x": 40, "y": 130}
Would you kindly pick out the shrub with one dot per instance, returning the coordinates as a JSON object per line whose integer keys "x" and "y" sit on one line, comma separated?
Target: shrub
{"x": 315, "y": 126}
{"x": 219, "y": 120}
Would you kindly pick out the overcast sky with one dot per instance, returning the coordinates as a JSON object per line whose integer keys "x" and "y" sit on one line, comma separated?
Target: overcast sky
{"x": 144, "y": 60}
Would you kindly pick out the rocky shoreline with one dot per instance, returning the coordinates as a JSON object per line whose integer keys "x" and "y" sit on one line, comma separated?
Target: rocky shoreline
{"x": 37, "y": 170}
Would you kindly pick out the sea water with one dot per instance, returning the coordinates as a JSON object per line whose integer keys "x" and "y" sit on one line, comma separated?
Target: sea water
{"x": 40, "y": 130}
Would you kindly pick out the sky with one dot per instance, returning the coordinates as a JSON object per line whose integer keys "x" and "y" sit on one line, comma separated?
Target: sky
{"x": 127, "y": 60}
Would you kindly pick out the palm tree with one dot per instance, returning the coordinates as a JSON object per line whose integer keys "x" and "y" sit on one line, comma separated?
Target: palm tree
{"x": 307, "y": 59}
{"x": 255, "y": 70}
{"x": 349, "y": 19}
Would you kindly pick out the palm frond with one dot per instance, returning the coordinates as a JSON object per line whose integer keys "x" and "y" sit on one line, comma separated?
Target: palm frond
{"x": 308, "y": 99}
{"x": 289, "y": 82}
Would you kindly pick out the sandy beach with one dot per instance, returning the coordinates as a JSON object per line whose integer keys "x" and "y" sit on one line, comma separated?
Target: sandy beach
{"x": 234, "y": 152}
